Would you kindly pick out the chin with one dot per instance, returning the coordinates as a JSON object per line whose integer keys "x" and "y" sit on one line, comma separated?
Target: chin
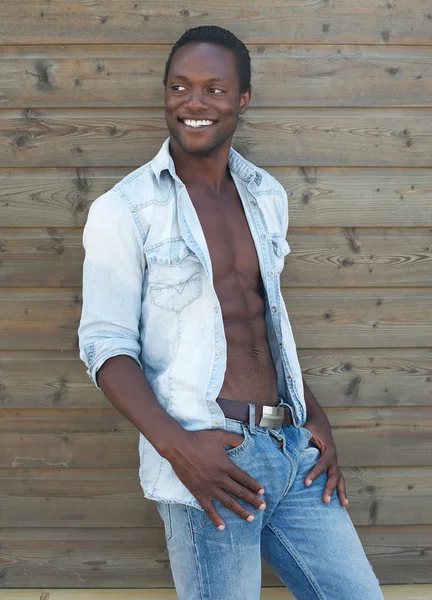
{"x": 198, "y": 147}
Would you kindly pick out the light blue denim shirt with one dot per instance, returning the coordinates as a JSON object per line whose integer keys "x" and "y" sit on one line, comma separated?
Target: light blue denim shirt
{"x": 148, "y": 293}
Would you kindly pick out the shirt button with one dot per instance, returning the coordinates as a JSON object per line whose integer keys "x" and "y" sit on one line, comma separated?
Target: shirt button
{"x": 271, "y": 273}
{"x": 218, "y": 422}
{"x": 263, "y": 236}
{"x": 274, "y": 309}
{"x": 219, "y": 351}
{"x": 253, "y": 203}
{"x": 280, "y": 345}
{"x": 213, "y": 387}
{"x": 289, "y": 378}
{"x": 216, "y": 309}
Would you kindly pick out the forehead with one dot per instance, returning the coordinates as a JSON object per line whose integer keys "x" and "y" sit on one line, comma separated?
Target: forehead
{"x": 204, "y": 60}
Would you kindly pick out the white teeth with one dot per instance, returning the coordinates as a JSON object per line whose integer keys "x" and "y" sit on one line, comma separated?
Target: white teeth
{"x": 193, "y": 123}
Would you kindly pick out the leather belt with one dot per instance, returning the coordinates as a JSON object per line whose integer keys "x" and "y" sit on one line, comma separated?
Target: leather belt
{"x": 265, "y": 416}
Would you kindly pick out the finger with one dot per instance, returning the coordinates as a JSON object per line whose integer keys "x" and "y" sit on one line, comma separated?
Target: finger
{"x": 233, "y": 439}
{"x": 342, "y": 491}
{"x": 245, "y": 479}
{"x": 230, "y": 503}
{"x": 233, "y": 487}
{"x": 331, "y": 484}
{"x": 211, "y": 512}
{"x": 320, "y": 468}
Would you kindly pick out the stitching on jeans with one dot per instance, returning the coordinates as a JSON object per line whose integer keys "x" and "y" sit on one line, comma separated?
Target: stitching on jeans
{"x": 197, "y": 558}
{"x": 293, "y": 473}
{"x": 296, "y": 556}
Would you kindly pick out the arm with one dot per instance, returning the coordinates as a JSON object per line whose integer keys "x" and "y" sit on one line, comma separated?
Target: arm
{"x": 318, "y": 424}
{"x": 113, "y": 276}
{"x": 313, "y": 409}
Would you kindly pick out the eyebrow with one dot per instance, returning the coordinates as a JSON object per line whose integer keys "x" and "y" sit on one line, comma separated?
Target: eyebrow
{"x": 175, "y": 76}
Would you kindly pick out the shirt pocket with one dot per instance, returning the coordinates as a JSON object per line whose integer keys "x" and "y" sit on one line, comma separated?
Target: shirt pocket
{"x": 175, "y": 275}
{"x": 281, "y": 249}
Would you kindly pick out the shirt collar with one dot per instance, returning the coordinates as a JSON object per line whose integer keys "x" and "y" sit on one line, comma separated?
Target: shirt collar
{"x": 237, "y": 164}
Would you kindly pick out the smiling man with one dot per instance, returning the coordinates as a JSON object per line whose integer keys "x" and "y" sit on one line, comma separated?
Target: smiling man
{"x": 185, "y": 330}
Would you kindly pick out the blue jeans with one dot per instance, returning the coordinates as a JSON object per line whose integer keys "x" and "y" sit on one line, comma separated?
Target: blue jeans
{"x": 311, "y": 546}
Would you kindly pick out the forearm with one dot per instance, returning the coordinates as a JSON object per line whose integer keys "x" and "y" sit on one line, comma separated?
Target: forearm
{"x": 127, "y": 388}
{"x": 313, "y": 409}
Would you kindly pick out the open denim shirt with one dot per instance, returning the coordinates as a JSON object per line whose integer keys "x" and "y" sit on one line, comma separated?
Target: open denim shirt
{"x": 148, "y": 293}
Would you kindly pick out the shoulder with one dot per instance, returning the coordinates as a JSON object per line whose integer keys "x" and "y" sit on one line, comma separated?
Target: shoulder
{"x": 265, "y": 182}
{"x": 270, "y": 182}
{"x": 140, "y": 187}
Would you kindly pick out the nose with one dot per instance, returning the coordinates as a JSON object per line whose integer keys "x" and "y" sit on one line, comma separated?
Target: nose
{"x": 196, "y": 101}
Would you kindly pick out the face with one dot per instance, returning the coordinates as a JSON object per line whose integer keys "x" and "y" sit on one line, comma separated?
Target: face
{"x": 202, "y": 97}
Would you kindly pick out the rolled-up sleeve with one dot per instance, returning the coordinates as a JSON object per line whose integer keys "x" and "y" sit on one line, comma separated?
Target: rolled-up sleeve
{"x": 113, "y": 272}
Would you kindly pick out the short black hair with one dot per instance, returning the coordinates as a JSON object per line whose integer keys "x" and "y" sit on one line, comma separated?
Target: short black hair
{"x": 212, "y": 34}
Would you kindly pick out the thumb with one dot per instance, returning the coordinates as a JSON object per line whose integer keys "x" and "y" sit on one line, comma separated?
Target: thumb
{"x": 233, "y": 439}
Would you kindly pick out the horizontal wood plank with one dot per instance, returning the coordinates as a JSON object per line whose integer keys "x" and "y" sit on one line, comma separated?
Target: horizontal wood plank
{"x": 318, "y": 196}
{"x": 369, "y": 436}
{"x": 347, "y": 377}
{"x": 352, "y": 256}
{"x": 347, "y": 256}
{"x": 80, "y": 557}
{"x": 261, "y": 21}
{"x": 282, "y": 75}
{"x": 48, "y": 318}
{"x": 390, "y": 592}
{"x": 94, "y": 497}
{"x": 349, "y": 317}
{"x": 369, "y": 377}
{"x": 280, "y": 137}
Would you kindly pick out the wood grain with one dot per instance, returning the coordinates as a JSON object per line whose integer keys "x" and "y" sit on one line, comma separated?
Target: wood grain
{"x": 341, "y": 115}
{"x": 101, "y": 557}
{"x": 48, "y": 318}
{"x": 261, "y": 21}
{"x": 94, "y": 497}
{"x": 391, "y": 592}
{"x": 318, "y": 196}
{"x": 280, "y": 137}
{"x": 356, "y": 318}
{"x": 343, "y": 377}
{"x": 372, "y": 436}
{"x": 369, "y": 377}
{"x": 292, "y": 76}
{"x": 53, "y": 257}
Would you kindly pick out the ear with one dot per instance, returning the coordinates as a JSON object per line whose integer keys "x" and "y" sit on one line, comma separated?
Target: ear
{"x": 245, "y": 98}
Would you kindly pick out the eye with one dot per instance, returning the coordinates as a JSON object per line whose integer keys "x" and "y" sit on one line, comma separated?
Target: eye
{"x": 175, "y": 87}
{"x": 216, "y": 90}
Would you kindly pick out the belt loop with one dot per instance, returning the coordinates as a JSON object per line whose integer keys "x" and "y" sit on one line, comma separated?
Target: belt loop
{"x": 252, "y": 425}
{"x": 283, "y": 403}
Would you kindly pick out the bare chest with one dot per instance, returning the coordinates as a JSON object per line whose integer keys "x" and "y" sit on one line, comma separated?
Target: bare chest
{"x": 227, "y": 234}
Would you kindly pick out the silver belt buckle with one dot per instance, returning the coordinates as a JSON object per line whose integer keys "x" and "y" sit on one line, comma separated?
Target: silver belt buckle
{"x": 272, "y": 416}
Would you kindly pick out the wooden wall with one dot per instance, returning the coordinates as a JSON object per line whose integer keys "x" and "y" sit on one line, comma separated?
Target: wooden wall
{"x": 342, "y": 115}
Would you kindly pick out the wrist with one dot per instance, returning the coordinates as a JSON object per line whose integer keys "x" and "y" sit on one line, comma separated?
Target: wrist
{"x": 169, "y": 445}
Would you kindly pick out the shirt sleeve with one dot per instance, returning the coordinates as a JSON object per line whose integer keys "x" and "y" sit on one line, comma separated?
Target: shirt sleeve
{"x": 113, "y": 272}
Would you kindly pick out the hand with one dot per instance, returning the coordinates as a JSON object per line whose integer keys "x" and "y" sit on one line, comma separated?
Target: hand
{"x": 204, "y": 467}
{"x": 322, "y": 438}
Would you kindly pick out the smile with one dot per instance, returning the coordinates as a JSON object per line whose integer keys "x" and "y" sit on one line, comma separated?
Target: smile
{"x": 196, "y": 124}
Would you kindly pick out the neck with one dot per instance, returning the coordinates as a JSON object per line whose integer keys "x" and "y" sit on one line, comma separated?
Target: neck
{"x": 210, "y": 171}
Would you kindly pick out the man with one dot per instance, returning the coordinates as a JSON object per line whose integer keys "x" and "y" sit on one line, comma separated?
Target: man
{"x": 185, "y": 330}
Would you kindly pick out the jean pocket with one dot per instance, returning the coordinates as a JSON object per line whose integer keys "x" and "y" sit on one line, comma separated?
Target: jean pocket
{"x": 197, "y": 518}
{"x": 307, "y": 432}
{"x": 235, "y": 450}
